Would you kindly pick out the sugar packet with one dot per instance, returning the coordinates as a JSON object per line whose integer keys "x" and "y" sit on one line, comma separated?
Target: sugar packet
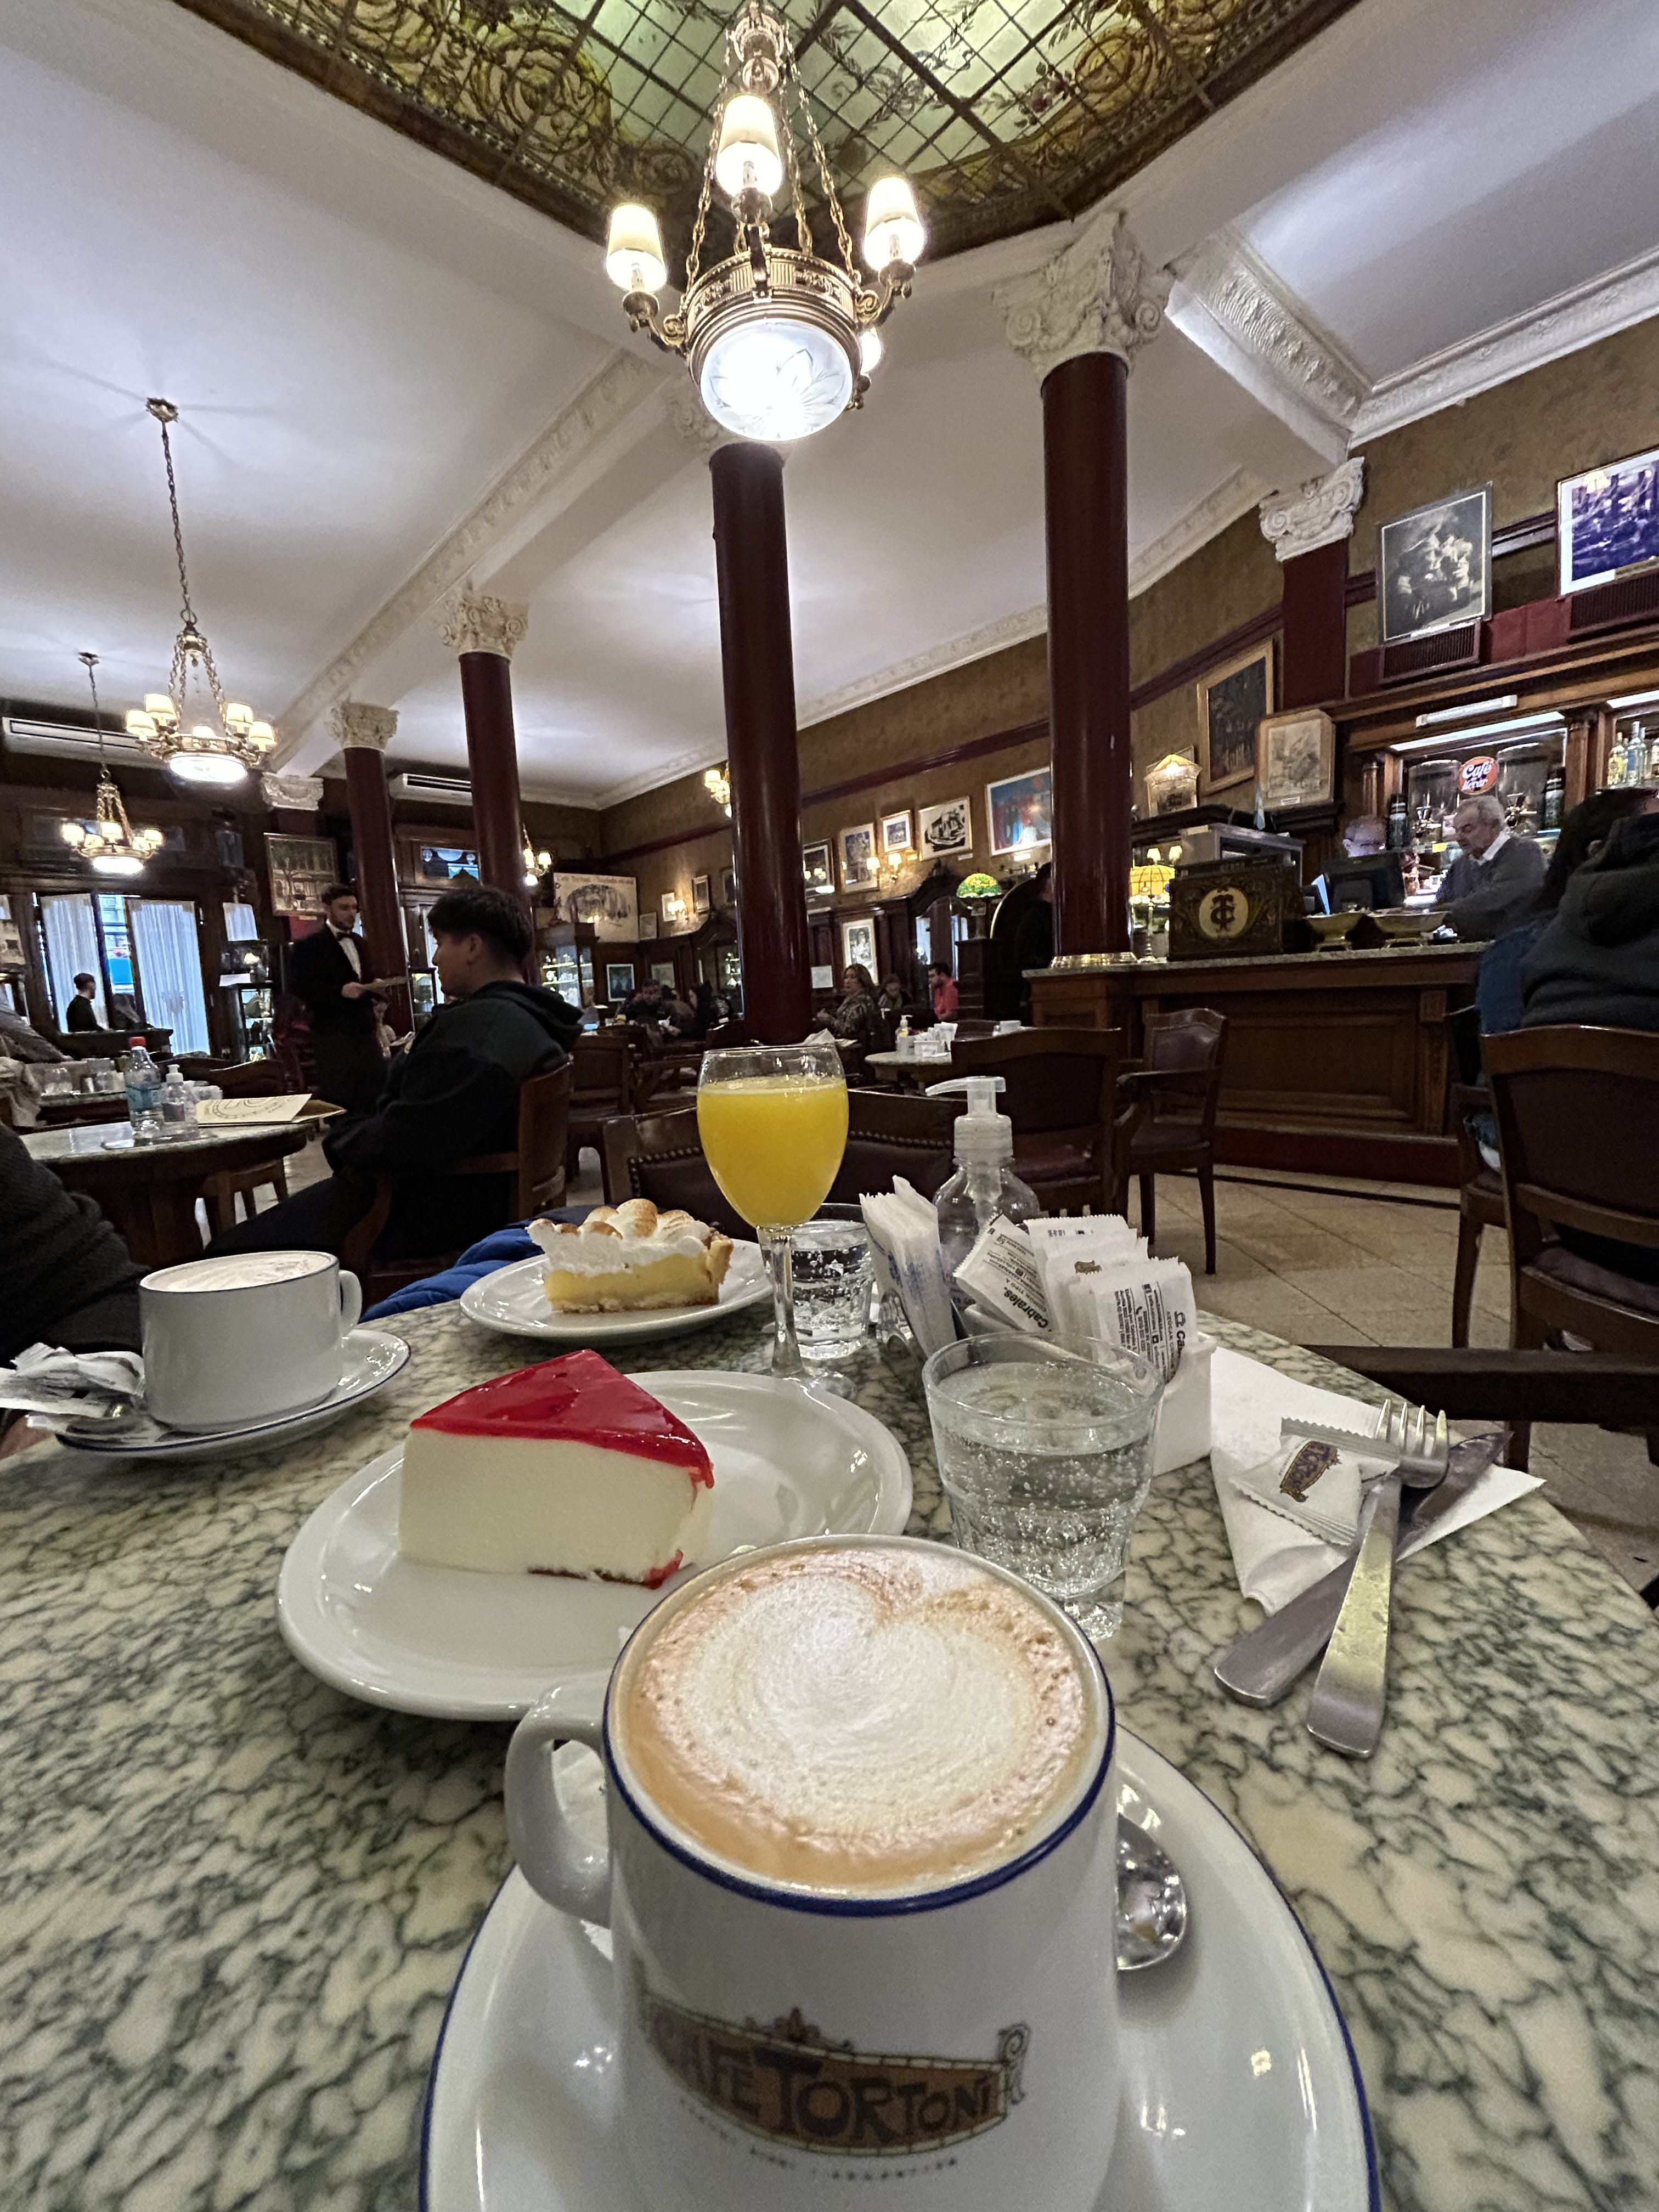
{"x": 1003, "y": 1277}
{"x": 904, "y": 1231}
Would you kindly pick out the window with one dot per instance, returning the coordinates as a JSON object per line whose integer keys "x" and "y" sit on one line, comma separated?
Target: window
{"x": 170, "y": 959}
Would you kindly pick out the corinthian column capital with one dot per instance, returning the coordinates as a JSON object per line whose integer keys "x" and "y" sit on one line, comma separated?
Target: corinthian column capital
{"x": 355, "y": 724}
{"x": 1098, "y": 295}
{"x": 1321, "y": 513}
{"x": 473, "y": 622}
{"x": 301, "y": 793}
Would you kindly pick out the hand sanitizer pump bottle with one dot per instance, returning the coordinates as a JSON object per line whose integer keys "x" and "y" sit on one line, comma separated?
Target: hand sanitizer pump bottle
{"x": 984, "y": 1184}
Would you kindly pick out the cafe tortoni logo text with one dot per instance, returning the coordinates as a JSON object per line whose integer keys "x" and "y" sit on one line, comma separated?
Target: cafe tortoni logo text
{"x": 786, "y": 2083}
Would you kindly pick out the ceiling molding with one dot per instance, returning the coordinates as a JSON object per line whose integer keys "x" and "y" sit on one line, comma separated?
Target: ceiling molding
{"x": 1230, "y": 305}
{"x": 1239, "y": 494}
{"x": 1600, "y": 309}
{"x": 557, "y": 461}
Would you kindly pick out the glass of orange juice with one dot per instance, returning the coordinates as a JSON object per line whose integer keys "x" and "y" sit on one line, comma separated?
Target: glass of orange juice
{"x": 773, "y": 1121}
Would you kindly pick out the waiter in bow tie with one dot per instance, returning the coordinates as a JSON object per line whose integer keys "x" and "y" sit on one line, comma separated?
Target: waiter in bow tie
{"x": 326, "y": 970}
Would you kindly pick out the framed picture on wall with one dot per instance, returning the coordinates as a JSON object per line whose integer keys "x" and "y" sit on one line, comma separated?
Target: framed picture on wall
{"x": 947, "y": 829}
{"x": 1434, "y": 568}
{"x": 648, "y": 923}
{"x": 618, "y": 979}
{"x": 662, "y": 971}
{"x": 858, "y": 944}
{"x": 301, "y": 869}
{"x": 859, "y": 865}
{"x": 700, "y": 899}
{"x": 728, "y": 887}
{"x": 1020, "y": 811}
{"x": 1231, "y": 700}
{"x": 895, "y": 836}
{"x": 1298, "y": 759}
{"x": 609, "y": 904}
{"x": 1607, "y": 521}
{"x": 818, "y": 869}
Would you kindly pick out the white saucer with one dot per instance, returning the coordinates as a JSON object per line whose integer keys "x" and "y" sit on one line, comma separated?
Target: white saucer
{"x": 1240, "y": 2087}
{"x": 512, "y": 1299}
{"x": 789, "y": 1461}
{"x": 370, "y": 1358}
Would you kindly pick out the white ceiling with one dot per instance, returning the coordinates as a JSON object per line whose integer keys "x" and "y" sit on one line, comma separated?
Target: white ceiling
{"x": 364, "y": 342}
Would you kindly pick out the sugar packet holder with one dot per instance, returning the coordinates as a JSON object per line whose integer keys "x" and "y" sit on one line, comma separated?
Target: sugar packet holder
{"x": 903, "y": 1232}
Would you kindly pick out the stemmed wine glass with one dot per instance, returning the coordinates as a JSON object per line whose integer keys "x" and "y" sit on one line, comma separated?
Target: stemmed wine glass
{"x": 773, "y": 1121}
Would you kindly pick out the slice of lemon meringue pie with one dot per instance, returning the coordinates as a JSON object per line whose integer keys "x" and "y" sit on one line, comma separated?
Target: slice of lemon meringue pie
{"x": 630, "y": 1258}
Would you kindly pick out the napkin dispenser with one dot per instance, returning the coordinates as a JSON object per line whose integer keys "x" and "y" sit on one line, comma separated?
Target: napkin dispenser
{"x": 1183, "y": 1434}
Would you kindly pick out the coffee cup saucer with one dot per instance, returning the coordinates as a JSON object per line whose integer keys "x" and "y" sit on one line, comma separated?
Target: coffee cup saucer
{"x": 369, "y": 1358}
{"x": 1240, "y": 2086}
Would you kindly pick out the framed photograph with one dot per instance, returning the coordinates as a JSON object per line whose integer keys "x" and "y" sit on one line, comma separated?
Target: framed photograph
{"x": 1607, "y": 521}
{"x": 895, "y": 836}
{"x": 609, "y": 904}
{"x": 1298, "y": 758}
{"x": 818, "y": 869}
{"x": 947, "y": 830}
{"x": 618, "y": 979}
{"x": 674, "y": 910}
{"x": 300, "y": 868}
{"x": 1231, "y": 700}
{"x": 728, "y": 887}
{"x": 858, "y": 944}
{"x": 823, "y": 979}
{"x": 860, "y": 865}
{"x": 647, "y": 923}
{"x": 662, "y": 972}
{"x": 700, "y": 899}
{"x": 1434, "y": 568}
{"x": 1020, "y": 811}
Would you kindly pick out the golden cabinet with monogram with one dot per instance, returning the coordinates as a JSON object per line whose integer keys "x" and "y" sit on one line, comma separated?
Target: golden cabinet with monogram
{"x": 1231, "y": 906}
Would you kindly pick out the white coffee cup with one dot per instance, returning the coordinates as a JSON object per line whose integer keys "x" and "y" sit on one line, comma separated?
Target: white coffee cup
{"x": 783, "y": 2042}
{"x": 245, "y": 1337}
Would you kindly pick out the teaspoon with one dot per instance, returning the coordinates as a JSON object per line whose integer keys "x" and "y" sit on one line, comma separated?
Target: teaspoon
{"x": 1151, "y": 1900}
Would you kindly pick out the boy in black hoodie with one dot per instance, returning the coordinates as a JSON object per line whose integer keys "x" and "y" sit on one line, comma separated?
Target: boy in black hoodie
{"x": 453, "y": 1094}
{"x": 1597, "y": 964}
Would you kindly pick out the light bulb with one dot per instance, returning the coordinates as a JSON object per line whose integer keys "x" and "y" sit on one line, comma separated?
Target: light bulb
{"x": 871, "y": 351}
{"x": 892, "y": 229}
{"x": 73, "y": 833}
{"x": 632, "y": 255}
{"x": 748, "y": 159}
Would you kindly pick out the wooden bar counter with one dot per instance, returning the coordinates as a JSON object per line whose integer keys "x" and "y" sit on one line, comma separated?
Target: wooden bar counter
{"x": 1337, "y": 1062}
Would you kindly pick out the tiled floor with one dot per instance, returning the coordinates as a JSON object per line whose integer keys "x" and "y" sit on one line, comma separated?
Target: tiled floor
{"x": 1326, "y": 1266}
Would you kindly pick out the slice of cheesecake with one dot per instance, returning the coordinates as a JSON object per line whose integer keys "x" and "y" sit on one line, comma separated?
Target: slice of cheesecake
{"x": 566, "y": 1468}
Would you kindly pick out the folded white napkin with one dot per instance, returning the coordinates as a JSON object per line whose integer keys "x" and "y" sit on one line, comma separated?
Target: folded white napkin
{"x": 1276, "y": 1556}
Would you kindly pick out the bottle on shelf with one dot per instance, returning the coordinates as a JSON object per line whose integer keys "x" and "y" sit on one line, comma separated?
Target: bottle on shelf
{"x": 177, "y": 1105}
{"x": 1549, "y": 817}
{"x": 1398, "y": 833}
{"x": 143, "y": 1088}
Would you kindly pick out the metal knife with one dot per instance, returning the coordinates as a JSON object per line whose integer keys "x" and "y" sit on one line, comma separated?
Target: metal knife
{"x": 1260, "y": 1668}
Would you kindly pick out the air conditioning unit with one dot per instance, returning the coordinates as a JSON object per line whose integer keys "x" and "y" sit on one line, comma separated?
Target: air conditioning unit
{"x": 23, "y": 734}
{"x": 433, "y": 790}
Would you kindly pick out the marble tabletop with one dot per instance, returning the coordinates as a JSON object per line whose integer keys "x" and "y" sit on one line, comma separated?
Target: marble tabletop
{"x": 233, "y": 1901}
{"x": 106, "y": 1140}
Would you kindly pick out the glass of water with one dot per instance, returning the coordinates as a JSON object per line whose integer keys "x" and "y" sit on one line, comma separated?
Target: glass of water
{"x": 834, "y": 1277}
{"x": 1046, "y": 1457}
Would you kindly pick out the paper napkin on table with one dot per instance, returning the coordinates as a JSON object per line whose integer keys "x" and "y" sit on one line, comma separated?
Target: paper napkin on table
{"x": 55, "y": 1385}
{"x": 1275, "y": 1556}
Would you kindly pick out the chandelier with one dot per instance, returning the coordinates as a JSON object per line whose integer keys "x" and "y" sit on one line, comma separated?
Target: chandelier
{"x": 221, "y": 750}
{"x": 112, "y": 844}
{"x": 717, "y": 782}
{"x": 778, "y": 339}
{"x": 536, "y": 863}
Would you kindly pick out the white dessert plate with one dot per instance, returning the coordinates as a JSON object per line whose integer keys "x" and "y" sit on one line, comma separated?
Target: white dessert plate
{"x": 370, "y": 1359}
{"x": 789, "y": 1461}
{"x": 1239, "y": 2085}
{"x": 512, "y": 1299}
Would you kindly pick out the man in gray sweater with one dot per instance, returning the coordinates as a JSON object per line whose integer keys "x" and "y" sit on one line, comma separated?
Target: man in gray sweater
{"x": 1495, "y": 878}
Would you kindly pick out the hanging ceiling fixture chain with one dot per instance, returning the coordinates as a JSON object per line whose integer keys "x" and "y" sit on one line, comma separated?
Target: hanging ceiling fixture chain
{"x": 803, "y": 101}
{"x": 91, "y": 661}
{"x": 166, "y": 412}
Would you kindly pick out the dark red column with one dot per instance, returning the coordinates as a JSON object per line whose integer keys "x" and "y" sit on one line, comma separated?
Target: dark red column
{"x": 492, "y": 753}
{"x": 1086, "y": 488}
{"x": 370, "y": 805}
{"x": 752, "y": 563}
{"x": 1315, "y": 611}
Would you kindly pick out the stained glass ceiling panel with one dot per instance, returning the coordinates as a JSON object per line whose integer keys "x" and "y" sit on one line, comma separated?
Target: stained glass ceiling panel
{"x": 1004, "y": 113}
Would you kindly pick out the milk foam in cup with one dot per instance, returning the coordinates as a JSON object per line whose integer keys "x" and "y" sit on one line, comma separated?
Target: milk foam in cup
{"x": 244, "y": 1337}
{"x": 860, "y": 1883}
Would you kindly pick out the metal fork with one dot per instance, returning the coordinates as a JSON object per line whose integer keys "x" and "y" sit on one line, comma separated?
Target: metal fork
{"x": 1349, "y": 1693}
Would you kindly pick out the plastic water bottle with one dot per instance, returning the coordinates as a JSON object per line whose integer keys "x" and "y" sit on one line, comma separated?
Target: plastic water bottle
{"x": 177, "y": 1105}
{"x": 143, "y": 1081}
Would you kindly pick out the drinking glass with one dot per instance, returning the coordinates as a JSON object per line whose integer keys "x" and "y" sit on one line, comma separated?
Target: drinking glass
{"x": 773, "y": 1121}
{"x": 834, "y": 1276}
{"x": 1046, "y": 1457}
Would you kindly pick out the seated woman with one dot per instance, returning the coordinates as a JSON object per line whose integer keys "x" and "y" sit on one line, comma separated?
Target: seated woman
{"x": 855, "y": 1020}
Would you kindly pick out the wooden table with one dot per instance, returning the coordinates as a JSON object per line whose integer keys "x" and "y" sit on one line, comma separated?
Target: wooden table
{"x": 233, "y": 1901}
{"x": 147, "y": 1193}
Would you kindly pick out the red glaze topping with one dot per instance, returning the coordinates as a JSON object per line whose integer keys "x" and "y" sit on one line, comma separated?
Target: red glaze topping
{"x": 581, "y": 1398}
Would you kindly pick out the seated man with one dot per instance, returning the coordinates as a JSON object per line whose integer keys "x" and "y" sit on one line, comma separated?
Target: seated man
{"x": 1496, "y": 877}
{"x": 81, "y": 1013}
{"x": 453, "y": 1094}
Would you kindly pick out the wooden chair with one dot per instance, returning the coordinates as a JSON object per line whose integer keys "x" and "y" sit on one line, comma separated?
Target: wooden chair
{"x": 1480, "y": 1201}
{"x": 659, "y": 1156}
{"x": 221, "y": 1192}
{"x": 1181, "y": 1081}
{"x": 1576, "y": 1110}
{"x": 537, "y": 1165}
{"x": 603, "y": 1067}
{"x": 1072, "y": 1128}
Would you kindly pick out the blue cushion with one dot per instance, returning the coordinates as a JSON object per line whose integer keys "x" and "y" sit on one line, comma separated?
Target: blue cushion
{"x": 484, "y": 1258}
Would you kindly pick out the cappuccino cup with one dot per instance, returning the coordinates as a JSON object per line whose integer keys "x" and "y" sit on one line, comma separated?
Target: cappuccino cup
{"x": 860, "y": 1882}
{"x": 245, "y": 1337}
